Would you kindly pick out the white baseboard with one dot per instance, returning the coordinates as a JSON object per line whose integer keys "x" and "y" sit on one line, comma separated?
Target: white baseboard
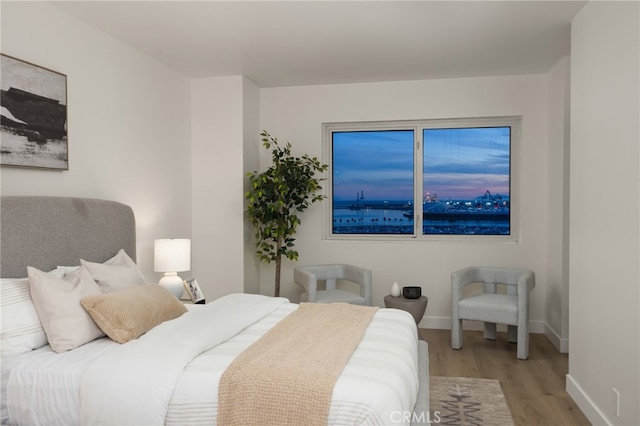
{"x": 444, "y": 323}
{"x": 561, "y": 343}
{"x": 586, "y": 405}
{"x": 438, "y": 323}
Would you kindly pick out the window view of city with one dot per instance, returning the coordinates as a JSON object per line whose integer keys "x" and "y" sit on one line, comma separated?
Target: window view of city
{"x": 465, "y": 175}
{"x": 373, "y": 182}
{"x": 466, "y": 181}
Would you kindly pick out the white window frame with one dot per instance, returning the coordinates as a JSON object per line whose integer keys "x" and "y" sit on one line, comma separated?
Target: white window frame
{"x": 417, "y": 126}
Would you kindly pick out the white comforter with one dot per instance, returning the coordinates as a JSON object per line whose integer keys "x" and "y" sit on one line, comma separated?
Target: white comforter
{"x": 171, "y": 374}
{"x": 139, "y": 377}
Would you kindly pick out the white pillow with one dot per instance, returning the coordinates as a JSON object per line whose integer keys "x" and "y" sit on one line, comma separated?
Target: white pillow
{"x": 57, "y": 301}
{"x": 64, "y": 270}
{"x": 21, "y": 330}
{"x": 121, "y": 259}
{"x": 115, "y": 274}
{"x": 60, "y": 271}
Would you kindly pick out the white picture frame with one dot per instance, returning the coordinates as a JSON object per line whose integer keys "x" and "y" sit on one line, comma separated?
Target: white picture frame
{"x": 193, "y": 290}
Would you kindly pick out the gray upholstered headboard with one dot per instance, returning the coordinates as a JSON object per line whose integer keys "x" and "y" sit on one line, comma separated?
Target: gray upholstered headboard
{"x": 45, "y": 232}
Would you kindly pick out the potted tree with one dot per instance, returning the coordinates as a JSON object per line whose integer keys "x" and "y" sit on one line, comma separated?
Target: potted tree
{"x": 276, "y": 197}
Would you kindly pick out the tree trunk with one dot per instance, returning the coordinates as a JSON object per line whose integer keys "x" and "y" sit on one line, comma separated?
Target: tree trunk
{"x": 278, "y": 264}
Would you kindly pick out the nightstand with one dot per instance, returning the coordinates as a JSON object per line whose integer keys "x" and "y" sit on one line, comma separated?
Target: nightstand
{"x": 416, "y": 307}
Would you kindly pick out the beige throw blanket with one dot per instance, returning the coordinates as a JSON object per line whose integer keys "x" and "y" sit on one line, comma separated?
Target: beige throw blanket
{"x": 287, "y": 376}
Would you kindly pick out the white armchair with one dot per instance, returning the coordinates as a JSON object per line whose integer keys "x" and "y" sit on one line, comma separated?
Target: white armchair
{"x": 511, "y": 308}
{"x": 308, "y": 277}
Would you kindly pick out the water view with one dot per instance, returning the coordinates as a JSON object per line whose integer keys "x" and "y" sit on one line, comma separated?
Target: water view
{"x": 487, "y": 214}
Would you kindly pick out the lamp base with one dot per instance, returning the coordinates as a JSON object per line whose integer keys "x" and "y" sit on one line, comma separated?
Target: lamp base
{"x": 172, "y": 282}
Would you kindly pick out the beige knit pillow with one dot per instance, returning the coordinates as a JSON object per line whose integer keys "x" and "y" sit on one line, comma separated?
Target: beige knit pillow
{"x": 127, "y": 314}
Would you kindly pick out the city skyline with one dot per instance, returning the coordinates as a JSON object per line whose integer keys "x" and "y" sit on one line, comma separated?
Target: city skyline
{"x": 459, "y": 163}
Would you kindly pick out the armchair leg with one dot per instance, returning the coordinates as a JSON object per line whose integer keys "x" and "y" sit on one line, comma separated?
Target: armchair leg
{"x": 523, "y": 342}
{"x": 456, "y": 333}
{"x": 512, "y": 334}
{"x": 490, "y": 330}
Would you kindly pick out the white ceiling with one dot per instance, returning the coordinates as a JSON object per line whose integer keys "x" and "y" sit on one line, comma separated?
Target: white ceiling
{"x": 320, "y": 42}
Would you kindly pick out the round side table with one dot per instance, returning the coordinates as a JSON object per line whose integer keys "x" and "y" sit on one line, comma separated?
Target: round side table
{"x": 415, "y": 307}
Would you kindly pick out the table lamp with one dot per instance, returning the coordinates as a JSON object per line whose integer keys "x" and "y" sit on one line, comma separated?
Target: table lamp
{"x": 172, "y": 256}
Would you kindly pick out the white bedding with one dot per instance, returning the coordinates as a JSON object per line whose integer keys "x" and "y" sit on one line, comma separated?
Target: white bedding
{"x": 379, "y": 380}
{"x": 29, "y": 379}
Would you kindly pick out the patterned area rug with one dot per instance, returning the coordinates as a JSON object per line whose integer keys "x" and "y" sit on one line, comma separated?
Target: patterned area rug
{"x": 465, "y": 401}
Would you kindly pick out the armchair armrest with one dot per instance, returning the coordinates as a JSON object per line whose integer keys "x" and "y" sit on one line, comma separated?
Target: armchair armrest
{"x": 308, "y": 281}
{"x": 460, "y": 279}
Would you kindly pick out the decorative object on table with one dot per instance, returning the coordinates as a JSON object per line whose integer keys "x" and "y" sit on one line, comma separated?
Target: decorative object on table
{"x": 33, "y": 116}
{"x": 193, "y": 289}
{"x": 412, "y": 292}
{"x": 172, "y": 256}
{"x": 275, "y": 198}
{"x": 395, "y": 289}
{"x": 491, "y": 307}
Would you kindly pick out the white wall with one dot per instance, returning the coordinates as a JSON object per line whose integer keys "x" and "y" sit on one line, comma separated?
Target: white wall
{"x": 217, "y": 184}
{"x": 128, "y": 121}
{"x": 225, "y": 138}
{"x": 557, "y": 293}
{"x": 605, "y": 212}
{"x": 251, "y": 162}
{"x": 296, "y": 113}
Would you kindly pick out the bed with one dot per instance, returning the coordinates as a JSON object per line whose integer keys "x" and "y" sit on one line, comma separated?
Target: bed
{"x": 170, "y": 374}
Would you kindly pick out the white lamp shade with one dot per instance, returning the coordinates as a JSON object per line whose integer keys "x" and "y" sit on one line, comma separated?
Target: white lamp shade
{"x": 172, "y": 255}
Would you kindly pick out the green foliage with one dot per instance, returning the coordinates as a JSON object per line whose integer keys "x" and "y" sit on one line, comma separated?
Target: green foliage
{"x": 275, "y": 198}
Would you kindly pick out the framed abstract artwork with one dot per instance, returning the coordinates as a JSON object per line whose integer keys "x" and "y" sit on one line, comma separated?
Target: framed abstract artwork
{"x": 33, "y": 116}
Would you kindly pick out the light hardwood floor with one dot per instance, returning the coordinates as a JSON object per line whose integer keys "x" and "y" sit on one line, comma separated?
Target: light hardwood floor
{"x": 534, "y": 389}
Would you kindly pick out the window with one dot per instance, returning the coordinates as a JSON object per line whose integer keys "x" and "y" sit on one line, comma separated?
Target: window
{"x": 422, "y": 179}
{"x": 373, "y": 182}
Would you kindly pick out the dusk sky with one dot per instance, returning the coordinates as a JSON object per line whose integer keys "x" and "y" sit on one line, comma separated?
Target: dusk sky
{"x": 459, "y": 163}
